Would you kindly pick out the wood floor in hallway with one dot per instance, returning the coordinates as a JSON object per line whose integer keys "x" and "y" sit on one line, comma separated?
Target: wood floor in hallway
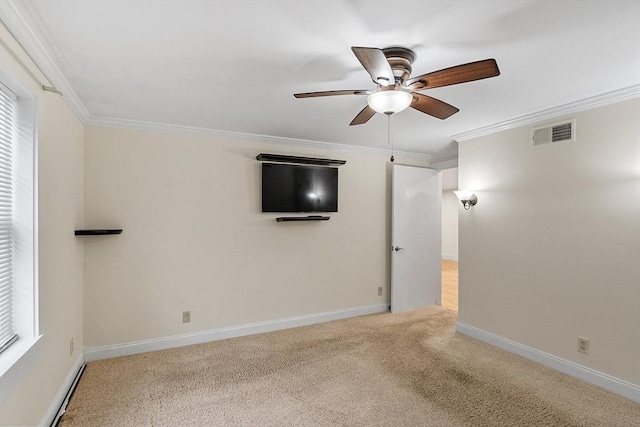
{"x": 450, "y": 284}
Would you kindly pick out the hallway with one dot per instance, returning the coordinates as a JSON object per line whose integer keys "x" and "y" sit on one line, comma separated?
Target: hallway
{"x": 450, "y": 285}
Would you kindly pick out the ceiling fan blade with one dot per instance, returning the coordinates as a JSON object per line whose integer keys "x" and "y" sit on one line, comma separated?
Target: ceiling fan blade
{"x": 433, "y": 107}
{"x": 459, "y": 74}
{"x": 330, "y": 93}
{"x": 363, "y": 116}
{"x": 376, "y": 64}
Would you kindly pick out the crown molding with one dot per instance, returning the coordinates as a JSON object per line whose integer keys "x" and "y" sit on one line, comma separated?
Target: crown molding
{"x": 445, "y": 156}
{"x": 552, "y": 113}
{"x": 242, "y": 137}
{"x": 19, "y": 21}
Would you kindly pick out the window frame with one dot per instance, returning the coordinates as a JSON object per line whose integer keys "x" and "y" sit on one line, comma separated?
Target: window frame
{"x": 8, "y": 128}
{"x": 17, "y": 359}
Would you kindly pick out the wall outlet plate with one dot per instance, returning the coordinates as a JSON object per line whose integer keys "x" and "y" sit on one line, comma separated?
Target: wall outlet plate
{"x": 186, "y": 316}
{"x": 583, "y": 345}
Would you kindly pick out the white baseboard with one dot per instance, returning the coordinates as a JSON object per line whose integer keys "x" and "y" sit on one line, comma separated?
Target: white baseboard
{"x": 450, "y": 257}
{"x": 613, "y": 384}
{"x": 126, "y": 349}
{"x": 60, "y": 396}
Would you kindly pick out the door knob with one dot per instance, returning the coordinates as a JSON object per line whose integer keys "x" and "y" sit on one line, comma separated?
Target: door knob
{"x": 398, "y": 248}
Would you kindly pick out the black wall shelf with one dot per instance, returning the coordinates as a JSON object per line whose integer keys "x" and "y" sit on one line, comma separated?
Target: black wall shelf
{"x": 95, "y": 232}
{"x": 264, "y": 157}
{"x": 303, "y": 218}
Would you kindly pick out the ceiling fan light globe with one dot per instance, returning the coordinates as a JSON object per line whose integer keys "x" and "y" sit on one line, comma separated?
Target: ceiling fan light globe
{"x": 389, "y": 101}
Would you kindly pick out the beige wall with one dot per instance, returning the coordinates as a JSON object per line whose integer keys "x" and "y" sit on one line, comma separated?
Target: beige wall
{"x": 194, "y": 237}
{"x": 551, "y": 250}
{"x": 60, "y": 169}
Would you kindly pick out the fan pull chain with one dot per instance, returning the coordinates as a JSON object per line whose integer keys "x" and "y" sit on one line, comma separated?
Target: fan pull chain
{"x": 389, "y": 136}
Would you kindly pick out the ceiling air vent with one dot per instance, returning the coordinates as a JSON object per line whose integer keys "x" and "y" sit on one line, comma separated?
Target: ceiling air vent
{"x": 559, "y": 132}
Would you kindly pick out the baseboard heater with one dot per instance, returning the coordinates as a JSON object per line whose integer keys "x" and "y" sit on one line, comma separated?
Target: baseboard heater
{"x": 67, "y": 398}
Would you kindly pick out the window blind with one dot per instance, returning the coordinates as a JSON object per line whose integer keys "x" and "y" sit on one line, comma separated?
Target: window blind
{"x": 7, "y": 131}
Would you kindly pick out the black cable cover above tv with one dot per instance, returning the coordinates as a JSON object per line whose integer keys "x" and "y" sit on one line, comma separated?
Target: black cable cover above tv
{"x": 264, "y": 157}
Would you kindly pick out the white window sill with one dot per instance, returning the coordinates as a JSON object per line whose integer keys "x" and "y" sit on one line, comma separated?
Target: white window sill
{"x": 16, "y": 362}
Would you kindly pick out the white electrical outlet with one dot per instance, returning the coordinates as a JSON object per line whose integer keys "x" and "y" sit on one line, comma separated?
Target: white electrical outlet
{"x": 379, "y": 291}
{"x": 71, "y": 347}
{"x": 186, "y": 316}
{"x": 583, "y": 345}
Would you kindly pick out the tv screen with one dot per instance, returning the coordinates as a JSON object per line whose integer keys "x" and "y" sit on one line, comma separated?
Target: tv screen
{"x": 295, "y": 188}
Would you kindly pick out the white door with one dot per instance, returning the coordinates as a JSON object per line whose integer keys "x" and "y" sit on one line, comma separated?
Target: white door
{"x": 416, "y": 238}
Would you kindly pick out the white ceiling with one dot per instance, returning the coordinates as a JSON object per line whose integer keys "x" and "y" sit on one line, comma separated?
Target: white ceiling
{"x": 234, "y": 65}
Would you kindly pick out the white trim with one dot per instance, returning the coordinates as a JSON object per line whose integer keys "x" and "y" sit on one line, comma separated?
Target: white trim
{"x": 447, "y": 164}
{"x": 239, "y": 136}
{"x": 608, "y": 382}
{"x": 16, "y": 18}
{"x": 22, "y": 23}
{"x": 8, "y": 92}
{"x": 61, "y": 395}
{"x": 552, "y": 113}
{"x": 118, "y": 350}
{"x": 446, "y": 156}
{"x": 450, "y": 257}
{"x": 17, "y": 361}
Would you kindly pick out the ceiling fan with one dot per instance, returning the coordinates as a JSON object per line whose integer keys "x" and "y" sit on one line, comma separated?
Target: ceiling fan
{"x": 390, "y": 69}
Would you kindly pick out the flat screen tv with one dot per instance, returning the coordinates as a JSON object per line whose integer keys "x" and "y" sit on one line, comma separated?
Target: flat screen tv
{"x": 296, "y": 188}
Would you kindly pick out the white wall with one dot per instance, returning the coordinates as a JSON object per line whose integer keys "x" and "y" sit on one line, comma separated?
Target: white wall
{"x": 194, "y": 237}
{"x": 450, "y": 205}
{"x": 551, "y": 250}
{"x": 60, "y": 158}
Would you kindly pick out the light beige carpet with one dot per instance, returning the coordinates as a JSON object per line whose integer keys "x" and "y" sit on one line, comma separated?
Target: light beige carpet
{"x": 408, "y": 369}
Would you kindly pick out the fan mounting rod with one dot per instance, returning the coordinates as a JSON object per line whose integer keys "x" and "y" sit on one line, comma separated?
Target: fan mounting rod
{"x": 400, "y": 59}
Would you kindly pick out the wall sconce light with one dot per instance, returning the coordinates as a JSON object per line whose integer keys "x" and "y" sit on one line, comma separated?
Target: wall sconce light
{"x": 467, "y": 198}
